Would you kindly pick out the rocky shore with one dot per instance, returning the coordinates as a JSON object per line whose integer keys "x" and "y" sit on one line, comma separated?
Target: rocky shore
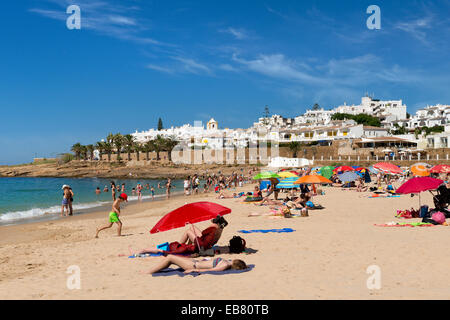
{"x": 85, "y": 169}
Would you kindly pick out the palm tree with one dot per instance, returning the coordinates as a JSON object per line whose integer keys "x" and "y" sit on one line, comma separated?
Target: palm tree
{"x": 77, "y": 149}
{"x": 158, "y": 146}
{"x": 147, "y": 148}
{"x": 169, "y": 144}
{"x": 100, "y": 146}
{"x": 137, "y": 148}
{"x": 294, "y": 146}
{"x": 108, "y": 147}
{"x": 118, "y": 143}
{"x": 110, "y": 138}
{"x": 84, "y": 152}
{"x": 128, "y": 141}
{"x": 90, "y": 149}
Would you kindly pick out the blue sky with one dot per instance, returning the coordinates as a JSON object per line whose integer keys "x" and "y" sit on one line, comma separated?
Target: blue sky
{"x": 134, "y": 61}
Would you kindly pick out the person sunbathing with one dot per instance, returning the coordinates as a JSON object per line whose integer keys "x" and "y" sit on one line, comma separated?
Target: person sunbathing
{"x": 224, "y": 196}
{"x": 193, "y": 265}
{"x": 267, "y": 201}
{"x": 360, "y": 187}
{"x": 193, "y": 240}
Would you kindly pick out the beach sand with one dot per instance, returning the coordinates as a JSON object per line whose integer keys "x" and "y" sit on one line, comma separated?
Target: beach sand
{"x": 325, "y": 258}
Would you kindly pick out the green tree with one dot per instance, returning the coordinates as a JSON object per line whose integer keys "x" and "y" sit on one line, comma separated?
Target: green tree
{"x": 128, "y": 141}
{"x": 77, "y": 150}
{"x": 84, "y": 152}
{"x": 118, "y": 143}
{"x": 147, "y": 148}
{"x": 158, "y": 146}
{"x": 316, "y": 107}
{"x": 137, "y": 149}
{"x": 90, "y": 150}
{"x": 294, "y": 146}
{"x": 100, "y": 146}
{"x": 108, "y": 148}
{"x": 160, "y": 124}
{"x": 169, "y": 144}
{"x": 361, "y": 118}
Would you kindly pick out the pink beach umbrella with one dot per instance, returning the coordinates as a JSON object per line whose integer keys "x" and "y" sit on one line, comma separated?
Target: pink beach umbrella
{"x": 418, "y": 185}
{"x": 388, "y": 168}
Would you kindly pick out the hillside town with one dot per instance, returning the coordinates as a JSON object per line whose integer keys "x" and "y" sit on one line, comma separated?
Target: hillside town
{"x": 429, "y": 128}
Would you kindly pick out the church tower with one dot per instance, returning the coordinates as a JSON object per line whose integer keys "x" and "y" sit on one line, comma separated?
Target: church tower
{"x": 212, "y": 124}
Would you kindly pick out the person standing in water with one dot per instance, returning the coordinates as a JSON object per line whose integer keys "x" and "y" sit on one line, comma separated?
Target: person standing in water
{"x": 113, "y": 190}
{"x": 65, "y": 200}
{"x": 114, "y": 215}
{"x": 70, "y": 201}
{"x": 168, "y": 187}
{"x": 152, "y": 191}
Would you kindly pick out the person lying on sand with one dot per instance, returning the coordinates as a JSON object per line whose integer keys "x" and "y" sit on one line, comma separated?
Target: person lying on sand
{"x": 222, "y": 195}
{"x": 193, "y": 265}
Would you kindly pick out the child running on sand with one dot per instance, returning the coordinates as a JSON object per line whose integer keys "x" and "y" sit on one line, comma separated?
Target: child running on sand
{"x": 114, "y": 215}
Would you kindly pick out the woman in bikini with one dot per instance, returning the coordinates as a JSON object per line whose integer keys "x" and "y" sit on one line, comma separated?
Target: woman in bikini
{"x": 193, "y": 265}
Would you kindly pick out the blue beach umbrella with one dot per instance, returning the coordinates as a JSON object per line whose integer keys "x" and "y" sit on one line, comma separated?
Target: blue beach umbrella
{"x": 348, "y": 176}
{"x": 288, "y": 183}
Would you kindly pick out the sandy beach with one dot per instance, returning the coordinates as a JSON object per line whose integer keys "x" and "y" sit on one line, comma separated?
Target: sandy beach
{"x": 325, "y": 258}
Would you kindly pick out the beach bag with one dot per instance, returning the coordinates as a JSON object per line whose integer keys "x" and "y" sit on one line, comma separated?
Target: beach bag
{"x": 439, "y": 217}
{"x": 423, "y": 211}
{"x": 237, "y": 245}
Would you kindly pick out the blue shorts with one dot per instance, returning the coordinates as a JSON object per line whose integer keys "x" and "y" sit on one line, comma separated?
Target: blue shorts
{"x": 65, "y": 202}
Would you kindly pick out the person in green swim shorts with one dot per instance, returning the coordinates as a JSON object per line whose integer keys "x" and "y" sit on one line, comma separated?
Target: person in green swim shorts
{"x": 114, "y": 215}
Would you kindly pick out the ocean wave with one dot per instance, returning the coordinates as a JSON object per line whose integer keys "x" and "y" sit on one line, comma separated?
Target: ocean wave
{"x": 40, "y": 212}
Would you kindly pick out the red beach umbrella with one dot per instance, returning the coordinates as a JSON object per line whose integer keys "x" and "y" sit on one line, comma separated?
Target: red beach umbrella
{"x": 418, "y": 185}
{"x": 442, "y": 168}
{"x": 190, "y": 214}
{"x": 343, "y": 169}
{"x": 388, "y": 168}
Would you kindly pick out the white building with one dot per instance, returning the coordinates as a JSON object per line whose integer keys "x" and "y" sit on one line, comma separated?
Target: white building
{"x": 383, "y": 109}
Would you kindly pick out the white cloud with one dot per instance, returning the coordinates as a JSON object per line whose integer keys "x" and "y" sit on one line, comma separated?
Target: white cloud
{"x": 276, "y": 65}
{"x": 192, "y": 66}
{"x": 239, "y": 34}
{"x": 417, "y": 28}
{"x": 159, "y": 68}
{"x": 105, "y": 18}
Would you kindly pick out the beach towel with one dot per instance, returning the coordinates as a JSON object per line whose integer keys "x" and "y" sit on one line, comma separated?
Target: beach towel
{"x": 285, "y": 230}
{"x": 180, "y": 272}
{"x": 412, "y": 225}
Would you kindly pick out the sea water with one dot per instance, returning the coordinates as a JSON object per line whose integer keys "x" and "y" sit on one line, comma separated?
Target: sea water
{"x": 29, "y": 199}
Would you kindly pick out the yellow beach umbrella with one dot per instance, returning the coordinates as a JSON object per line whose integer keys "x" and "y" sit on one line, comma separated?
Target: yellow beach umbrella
{"x": 287, "y": 174}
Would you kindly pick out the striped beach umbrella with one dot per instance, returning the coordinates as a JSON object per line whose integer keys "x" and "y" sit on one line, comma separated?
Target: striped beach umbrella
{"x": 287, "y": 174}
{"x": 348, "y": 176}
{"x": 388, "y": 168}
{"x": 442, "y": 168}
{"x": 287, "y": 183}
